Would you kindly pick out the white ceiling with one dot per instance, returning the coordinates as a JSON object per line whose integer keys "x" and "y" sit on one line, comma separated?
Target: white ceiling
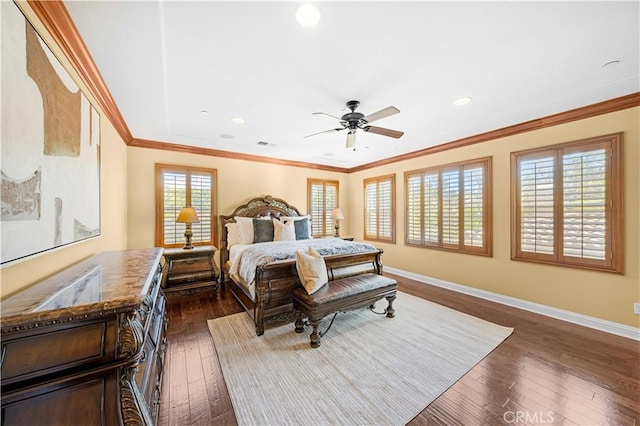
{"x": 165, "y": 62}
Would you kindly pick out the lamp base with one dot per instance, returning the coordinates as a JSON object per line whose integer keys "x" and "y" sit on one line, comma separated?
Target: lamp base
{"x": 337, "y": 235}
{"x": 188, "y": 234}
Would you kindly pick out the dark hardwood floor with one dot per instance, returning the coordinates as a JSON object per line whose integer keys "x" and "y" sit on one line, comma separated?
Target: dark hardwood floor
{"x": 547, "y": 372}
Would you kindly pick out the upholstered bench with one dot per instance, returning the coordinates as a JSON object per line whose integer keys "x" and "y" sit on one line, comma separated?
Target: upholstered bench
{"x": 341, "y": 295}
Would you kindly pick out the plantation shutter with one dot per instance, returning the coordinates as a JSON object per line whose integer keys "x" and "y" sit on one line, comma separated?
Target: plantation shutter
{"x": 378, "y": 208}
{"x": 331, "y": 203}
{"x": 201, "y": 200}
{"x": 370, "y": 210}
{"x": 431, "y": 192}
{"x": 323, "y": 199}
{"x": 448, "y": 207}
{"x": 584, "y": 198}
{"x": 179, "y": 187}
{"x": 569, "y": 204}
{"x": 175, "y": 196}
{"x": 537, "y": 204}
{"x": 474, "y": 201}
{"x": 451, "y": 206}
{"x": 414, "y": 209}
{"x": 385, "y": 210}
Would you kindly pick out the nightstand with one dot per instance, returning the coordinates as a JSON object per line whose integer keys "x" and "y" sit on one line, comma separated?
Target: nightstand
{"x": 190, "y": 271}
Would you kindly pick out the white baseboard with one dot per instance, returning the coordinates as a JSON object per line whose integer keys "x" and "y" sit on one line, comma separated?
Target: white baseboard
{"x": 572, "y": 317}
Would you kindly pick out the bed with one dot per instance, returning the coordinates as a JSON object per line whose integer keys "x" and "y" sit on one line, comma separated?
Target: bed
{"x": 262, "y": 274}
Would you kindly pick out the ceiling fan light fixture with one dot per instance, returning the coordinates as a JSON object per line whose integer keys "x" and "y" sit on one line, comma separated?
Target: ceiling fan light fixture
{"x": 351, "y": 139}
{"x": 462, "y": 101}
{"x": 307, "y": 15}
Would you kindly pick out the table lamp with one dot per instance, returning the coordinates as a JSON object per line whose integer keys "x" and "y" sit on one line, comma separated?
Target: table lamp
{"x": 188, "y": 216}
{"x": 337, "y": 215}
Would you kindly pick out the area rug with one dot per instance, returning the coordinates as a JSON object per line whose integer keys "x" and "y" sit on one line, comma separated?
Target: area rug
{"x": 369, "y": 369}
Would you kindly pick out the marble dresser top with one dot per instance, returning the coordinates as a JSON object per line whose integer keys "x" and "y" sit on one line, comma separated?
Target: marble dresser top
{"x": 111, "y": 281}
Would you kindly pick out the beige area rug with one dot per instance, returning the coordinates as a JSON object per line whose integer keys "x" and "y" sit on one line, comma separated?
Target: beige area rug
{"x": 369, "y": 370}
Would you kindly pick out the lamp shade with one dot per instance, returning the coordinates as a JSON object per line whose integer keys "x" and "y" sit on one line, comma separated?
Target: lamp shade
{"x": 337, "y": 214}
{"x": 188, "y": 215}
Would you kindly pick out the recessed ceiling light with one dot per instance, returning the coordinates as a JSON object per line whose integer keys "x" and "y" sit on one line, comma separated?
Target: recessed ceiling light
{"x": 204, "y": 112}
{"x": 307, "y": 15}
{"x": 462, "y": 101}
{"x": 237, "y": 120}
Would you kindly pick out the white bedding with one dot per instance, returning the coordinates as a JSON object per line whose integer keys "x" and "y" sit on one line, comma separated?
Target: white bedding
{"x": 245, "y": 258}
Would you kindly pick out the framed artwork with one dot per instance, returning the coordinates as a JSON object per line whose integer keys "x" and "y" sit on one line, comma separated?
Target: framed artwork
{"x": 49, "y": 147}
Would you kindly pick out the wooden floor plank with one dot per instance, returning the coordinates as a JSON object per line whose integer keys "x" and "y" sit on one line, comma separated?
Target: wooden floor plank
{"x": 547, "y": 371}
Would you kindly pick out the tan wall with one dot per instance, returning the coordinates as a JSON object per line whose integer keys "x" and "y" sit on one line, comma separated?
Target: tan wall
{"x": 113, "y": 204}
{"x": 238, "y": 182}
{"x": 598, "y": 294}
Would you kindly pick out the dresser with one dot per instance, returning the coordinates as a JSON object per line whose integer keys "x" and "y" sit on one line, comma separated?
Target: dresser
{"x": 86, "y": 346}
{"x": 190, "y": 271}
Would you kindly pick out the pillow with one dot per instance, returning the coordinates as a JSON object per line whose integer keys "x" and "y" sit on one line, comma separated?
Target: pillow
{"x": 233, "y": 234}
{"x": 302, "y": 229}
{"x": 262, "y": 231}
{"x": 283, "y": 231}
{"x": 245, "y": 226}
{"x": 302, "y": 225}
{"x": 312, "y": 270}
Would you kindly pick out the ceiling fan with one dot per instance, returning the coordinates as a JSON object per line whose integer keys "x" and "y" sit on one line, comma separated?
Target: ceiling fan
{"x": 353, "y": 121}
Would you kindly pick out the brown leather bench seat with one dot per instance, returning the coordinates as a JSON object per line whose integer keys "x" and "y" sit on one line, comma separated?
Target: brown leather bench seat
{"x": 342, "y": 295}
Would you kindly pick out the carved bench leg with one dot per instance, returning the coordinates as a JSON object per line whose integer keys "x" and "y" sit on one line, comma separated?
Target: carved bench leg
{"x": 315, "y": 336}
{"x": 390, "y": 311}
{"x": 259, "y": 328}
{"x": 299, "y": 323}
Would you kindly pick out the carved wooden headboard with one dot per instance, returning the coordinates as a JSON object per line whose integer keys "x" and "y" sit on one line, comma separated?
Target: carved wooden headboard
{"x": 257, "y": 207}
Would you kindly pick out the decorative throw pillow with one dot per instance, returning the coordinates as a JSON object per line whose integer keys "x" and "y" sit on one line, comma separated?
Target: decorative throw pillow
{"x": 283, "y": 231}
{"x": 233, "y": 234}
{"x": 312, "y": 270}
{"x": 302, "y": 225}
{"x": 262, "y": 231}
{"x": 245, "y": 225}
{"x": 302, "y": 229}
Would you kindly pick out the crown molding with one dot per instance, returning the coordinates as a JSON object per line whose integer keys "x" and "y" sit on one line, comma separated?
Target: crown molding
{"x": 166, "y": 146}
{"x": 56, "y": 20}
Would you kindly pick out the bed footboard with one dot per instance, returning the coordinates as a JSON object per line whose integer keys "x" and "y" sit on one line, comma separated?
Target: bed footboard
{"x": 276, "y": 281}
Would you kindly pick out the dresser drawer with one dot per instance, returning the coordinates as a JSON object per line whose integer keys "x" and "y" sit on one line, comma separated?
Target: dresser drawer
{"x": 47, "y": 352}
{"x": 190, "y": 265}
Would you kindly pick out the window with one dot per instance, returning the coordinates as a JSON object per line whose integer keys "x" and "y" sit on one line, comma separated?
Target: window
{"x": 322, "y": 199}
{"x": 449, "y": 207}
{"x": 379, "y": 212}
{"x": 180, "y": 186}
{"x": 567, "y": 204}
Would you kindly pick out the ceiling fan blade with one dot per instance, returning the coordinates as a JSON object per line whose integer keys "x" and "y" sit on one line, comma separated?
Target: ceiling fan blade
{"x": 384, "y": 132}
{"x": 326, "y": 131}
{"x": 386, "y": 112}
{"x": 351, "y": 139}
{"x": 324, "y": 113}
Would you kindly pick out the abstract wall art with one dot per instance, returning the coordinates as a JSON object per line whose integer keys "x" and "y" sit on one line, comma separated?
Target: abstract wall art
{"x": 49, "y": 147}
